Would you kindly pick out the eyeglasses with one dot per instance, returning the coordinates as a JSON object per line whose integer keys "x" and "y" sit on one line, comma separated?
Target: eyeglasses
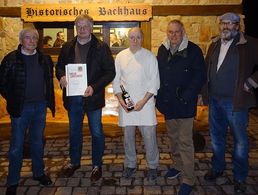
{"x": 84, "y": 27}
{"x": 33, "y": 38}
{"x": 227, "y": 23}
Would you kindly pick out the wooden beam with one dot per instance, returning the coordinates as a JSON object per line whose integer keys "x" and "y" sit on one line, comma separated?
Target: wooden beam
{"x": 146, "y": 28}
{"x": 10, "y": 11}
{"x": 160, "y": 10}
{"x": 195, "y": 10}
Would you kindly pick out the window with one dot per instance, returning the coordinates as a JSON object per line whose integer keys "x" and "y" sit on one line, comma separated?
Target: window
{"x": 53, "y": 35}
{"x": 116, "y": 35}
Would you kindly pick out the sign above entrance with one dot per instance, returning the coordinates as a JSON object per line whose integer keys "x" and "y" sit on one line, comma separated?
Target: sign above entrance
{"x": 99, "y": 12}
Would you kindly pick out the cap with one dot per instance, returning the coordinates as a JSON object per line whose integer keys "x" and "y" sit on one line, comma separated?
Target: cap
{"x": 231, "y": 17}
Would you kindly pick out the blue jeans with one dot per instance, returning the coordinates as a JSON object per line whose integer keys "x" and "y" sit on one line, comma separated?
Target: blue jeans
{"x": 76, "y": 116}
{"x": 222, "y": 116}
{"x": 33, "y": 119}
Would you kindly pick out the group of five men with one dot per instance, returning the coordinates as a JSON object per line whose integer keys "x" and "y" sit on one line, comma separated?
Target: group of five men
{"x": 171, "y": 81}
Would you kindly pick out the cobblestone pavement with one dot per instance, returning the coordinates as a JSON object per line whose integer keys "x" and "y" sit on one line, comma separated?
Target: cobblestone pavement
{"x": 56, "y": 157}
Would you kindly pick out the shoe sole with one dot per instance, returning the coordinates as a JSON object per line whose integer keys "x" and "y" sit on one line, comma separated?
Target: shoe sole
{"x": 174, "y": 177}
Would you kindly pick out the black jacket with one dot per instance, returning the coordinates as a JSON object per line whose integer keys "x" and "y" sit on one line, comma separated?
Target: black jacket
{"x": 100, "y": 71}
{"x": 13, "y": 81}
{"x": 181, "y": 78}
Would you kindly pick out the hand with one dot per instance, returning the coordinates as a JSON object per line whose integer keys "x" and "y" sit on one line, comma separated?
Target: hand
{"x": 200, "y": 101}
{"x": 88, "y": 92}
{"x": 139, "y": 105}
{"x": 247, "y": 88}
{"x": 63, "y": 81}
{"x": 122, "y": 102}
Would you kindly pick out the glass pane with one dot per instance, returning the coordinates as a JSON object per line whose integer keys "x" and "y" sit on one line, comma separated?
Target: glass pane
{"x": 54, "y": 37}
{"x": 118, "y": 37}
{"x": 97, "y": 31}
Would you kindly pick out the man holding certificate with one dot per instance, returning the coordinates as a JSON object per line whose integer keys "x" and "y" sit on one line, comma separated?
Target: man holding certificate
{"x": 94, "y": 69}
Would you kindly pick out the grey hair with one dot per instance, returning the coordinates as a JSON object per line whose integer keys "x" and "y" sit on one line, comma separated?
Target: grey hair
{"x": 84, "y": 17}
{"x": 175, "y": 21}
{"x": 29, "y": 29}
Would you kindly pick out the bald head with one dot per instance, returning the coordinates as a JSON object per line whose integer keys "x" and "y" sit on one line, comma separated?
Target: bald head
{"x": 135, "y": 36}
{"x": 135, "y": 29}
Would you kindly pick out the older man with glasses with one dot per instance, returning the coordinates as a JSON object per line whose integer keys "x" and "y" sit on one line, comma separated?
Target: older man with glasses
{"x": 85, "y": 48}
{"x": 231, "y": 61}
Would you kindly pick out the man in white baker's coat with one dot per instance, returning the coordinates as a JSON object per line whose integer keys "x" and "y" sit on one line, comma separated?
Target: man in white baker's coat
{"x": 137, "y": 71}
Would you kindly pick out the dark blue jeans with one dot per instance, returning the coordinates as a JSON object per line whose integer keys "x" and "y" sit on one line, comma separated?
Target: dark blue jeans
{"x": 33, "y": 119}
{"x": 76, "y": 116}
{"x": 222, "y": 117}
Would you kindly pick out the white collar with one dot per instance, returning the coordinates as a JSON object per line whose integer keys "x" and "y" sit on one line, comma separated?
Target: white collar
{"x": 28, "y": 54}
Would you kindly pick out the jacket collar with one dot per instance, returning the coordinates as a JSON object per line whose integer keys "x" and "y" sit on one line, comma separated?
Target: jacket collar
{"x": 183, "y": 45}
{"x": 242, "y": 39}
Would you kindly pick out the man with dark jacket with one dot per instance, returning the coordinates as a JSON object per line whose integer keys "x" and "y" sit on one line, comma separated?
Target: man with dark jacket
{"x": 231, "y": 61}
{"x": 182, "y": 75}
{"x": 26, "y": 82}
{"x": 85, "y": 48}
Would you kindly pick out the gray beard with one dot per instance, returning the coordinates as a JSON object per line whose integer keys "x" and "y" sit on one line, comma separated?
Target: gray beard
{"x": 227, "y": 35}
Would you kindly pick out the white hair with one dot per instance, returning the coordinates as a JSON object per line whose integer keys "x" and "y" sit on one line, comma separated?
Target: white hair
{"x": 25, "y": 30}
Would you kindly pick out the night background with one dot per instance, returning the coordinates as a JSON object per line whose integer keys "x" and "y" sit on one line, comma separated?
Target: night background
{"x": 250, "y": 10}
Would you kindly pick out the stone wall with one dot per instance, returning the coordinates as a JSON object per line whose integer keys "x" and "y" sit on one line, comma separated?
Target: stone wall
{"x": 9, "y": 30}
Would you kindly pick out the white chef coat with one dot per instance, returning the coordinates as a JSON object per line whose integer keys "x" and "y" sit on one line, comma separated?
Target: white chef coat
{"x": 138, "y": 73}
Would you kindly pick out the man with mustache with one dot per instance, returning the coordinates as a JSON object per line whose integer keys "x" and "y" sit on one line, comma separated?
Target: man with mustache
{"x": 231, "y": 60}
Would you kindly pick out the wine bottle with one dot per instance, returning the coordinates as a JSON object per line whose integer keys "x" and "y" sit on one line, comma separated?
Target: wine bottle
{"x": 127, "y": 99}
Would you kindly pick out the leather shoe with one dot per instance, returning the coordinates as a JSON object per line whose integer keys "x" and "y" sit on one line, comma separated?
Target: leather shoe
{"x": 69, "y": 170}
{"x": 239, "y": 187}
{"x": 96, "y": 173}
{"x": 11, "y": 190}
{"x": 44, "y": 180}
